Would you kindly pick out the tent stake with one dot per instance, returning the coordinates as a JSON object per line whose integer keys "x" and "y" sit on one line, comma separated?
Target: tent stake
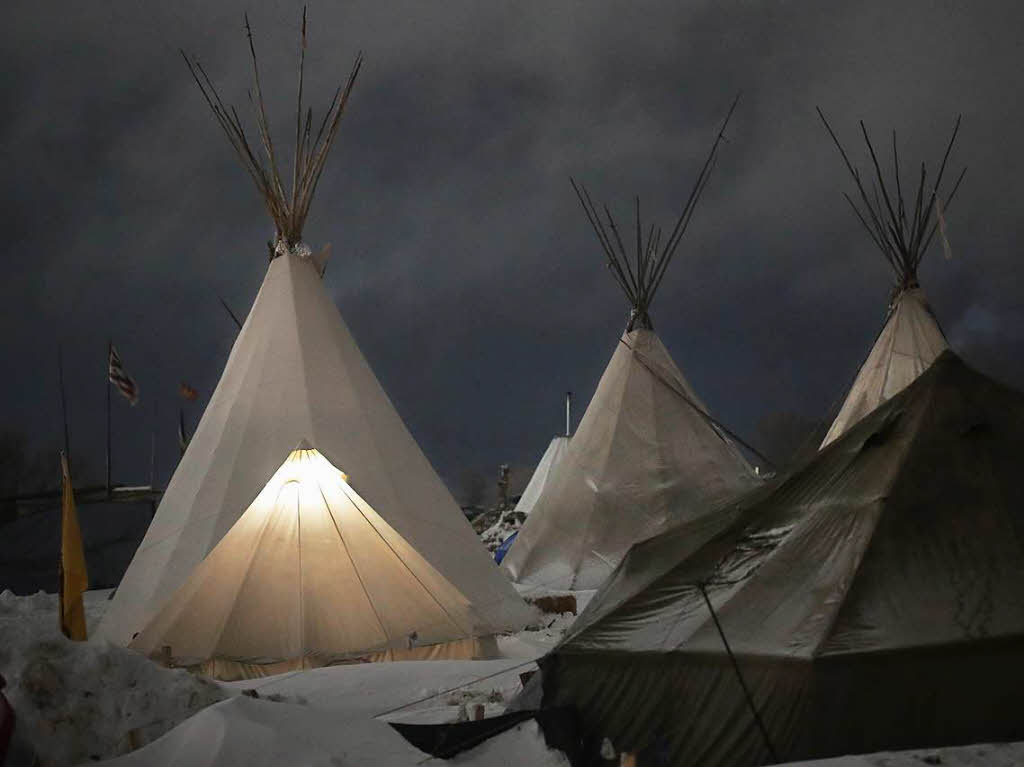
{"x": 739, "y": 676}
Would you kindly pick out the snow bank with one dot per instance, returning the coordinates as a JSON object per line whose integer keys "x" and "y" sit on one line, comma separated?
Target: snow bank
{"x": 398, "y": 689}
{"x": 982, "y": 755}
{"x": 260, "y": 733}
{"x": 508, "y": 521}
{"x": 77, "y": 701}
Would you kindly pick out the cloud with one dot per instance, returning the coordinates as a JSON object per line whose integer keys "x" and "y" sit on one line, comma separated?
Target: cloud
{"x": 461, "y": 260}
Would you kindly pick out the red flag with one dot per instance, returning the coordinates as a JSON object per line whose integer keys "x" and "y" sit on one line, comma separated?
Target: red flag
{"x": 124, "y": 382}
{"x": 187, "y": 392}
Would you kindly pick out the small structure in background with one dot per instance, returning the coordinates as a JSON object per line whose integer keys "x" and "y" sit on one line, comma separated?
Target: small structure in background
{"x": 503, "y": 470}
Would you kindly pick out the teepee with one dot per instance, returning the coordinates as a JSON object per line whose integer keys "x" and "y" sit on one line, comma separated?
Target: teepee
{"x": 911, "y": 338}
{"x": 294, "y": 373}
{"x": 311, "y": 575}
{"x": 500, "y": 535}
{"x": 646, "y": 453}
{"x": 546, "y": 468}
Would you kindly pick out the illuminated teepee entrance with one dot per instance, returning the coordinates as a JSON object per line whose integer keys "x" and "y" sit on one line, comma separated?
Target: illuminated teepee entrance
{"x": 310, "y": 575}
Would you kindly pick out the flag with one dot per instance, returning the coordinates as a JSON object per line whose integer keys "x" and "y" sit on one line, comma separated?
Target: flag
{"x": 187, "y": 392}
{"x": 124, "y": 382}
{"x": 74, "y": 580}
{"x": 182, "y": 436}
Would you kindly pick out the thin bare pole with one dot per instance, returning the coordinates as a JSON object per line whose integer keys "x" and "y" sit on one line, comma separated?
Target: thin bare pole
{"x": 228, "y": 310}
{"x": 63, "y": 403}
{"x": 110, "y": 347}
{"x": 739, "y": 676}
{"x": 152, "y": 448}
{"x": 568, "y": 413}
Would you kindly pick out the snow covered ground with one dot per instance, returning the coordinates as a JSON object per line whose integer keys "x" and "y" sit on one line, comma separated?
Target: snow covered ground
{"x": 983, "y": 755}
{"x": 84, "y": 702}
{"x": 79, "y": 701}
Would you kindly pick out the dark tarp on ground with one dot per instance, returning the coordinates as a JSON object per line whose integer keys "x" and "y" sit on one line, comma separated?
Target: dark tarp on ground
{"x": 559, "y": 726}
{"x": 874, "y": 599}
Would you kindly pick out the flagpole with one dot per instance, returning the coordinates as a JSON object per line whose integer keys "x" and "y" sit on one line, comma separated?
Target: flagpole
{"x": 152, "y": 449}
{"x": 60, "y": 557}
{"x": 110, "y": 345}
{"x": 63, "y": 402}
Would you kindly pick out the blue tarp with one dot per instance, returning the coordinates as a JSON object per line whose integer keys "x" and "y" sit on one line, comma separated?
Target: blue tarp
{"x": 502, "y": 550}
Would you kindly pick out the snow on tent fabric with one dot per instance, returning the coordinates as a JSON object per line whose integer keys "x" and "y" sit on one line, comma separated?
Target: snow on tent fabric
{"x": 872, "y": 598}
{"x": 310, "y": 575}
{"x": 646, "y": 454}
{"x": 295, "y": 372}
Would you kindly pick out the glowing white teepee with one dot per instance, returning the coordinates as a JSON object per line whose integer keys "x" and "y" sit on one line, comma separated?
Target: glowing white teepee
{"x": 294, "y": 373}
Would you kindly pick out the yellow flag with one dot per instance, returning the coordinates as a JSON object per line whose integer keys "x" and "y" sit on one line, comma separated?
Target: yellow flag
{"x": 73, "y": 577}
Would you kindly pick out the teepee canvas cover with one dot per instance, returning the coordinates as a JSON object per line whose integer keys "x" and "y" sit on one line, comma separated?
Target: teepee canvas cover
{"x": 873, "y": 599}
{"x": 294, "y": 373}
{"x": 547, "y": 467}
{"x": 911, "y": 339}
{"x": 646, "y": 453}
{"x": 309, "y": 575}
{"x": 644, "y": 456}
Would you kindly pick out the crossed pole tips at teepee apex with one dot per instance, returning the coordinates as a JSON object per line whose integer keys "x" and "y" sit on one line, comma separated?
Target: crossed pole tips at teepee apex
{"x": 903, "y": 233}
{"x": 640, "y": 279}
{"x": 288, "y": 209}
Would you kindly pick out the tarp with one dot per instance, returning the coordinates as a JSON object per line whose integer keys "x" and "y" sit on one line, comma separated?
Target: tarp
{"x": 502, "y": 550}
{"x": 645, "y": 456}
{"x": 294, "y": 373}
{"x": 873, "y": 599}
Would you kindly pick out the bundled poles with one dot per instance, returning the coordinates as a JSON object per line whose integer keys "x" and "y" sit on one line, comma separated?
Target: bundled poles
{"x": 640, "y": 276}
{"x": 900, "y": 231}
{"x": 288, "y": 208}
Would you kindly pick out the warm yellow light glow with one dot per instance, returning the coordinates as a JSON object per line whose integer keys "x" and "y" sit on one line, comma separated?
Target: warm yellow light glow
{"x": 305, "y": 465}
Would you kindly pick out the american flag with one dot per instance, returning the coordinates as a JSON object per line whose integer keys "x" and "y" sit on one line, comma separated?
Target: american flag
{"x": 124, "y": 382}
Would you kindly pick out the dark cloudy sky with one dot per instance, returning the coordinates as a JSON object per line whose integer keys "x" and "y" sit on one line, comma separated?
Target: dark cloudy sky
{"x": 461, "y": 260}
